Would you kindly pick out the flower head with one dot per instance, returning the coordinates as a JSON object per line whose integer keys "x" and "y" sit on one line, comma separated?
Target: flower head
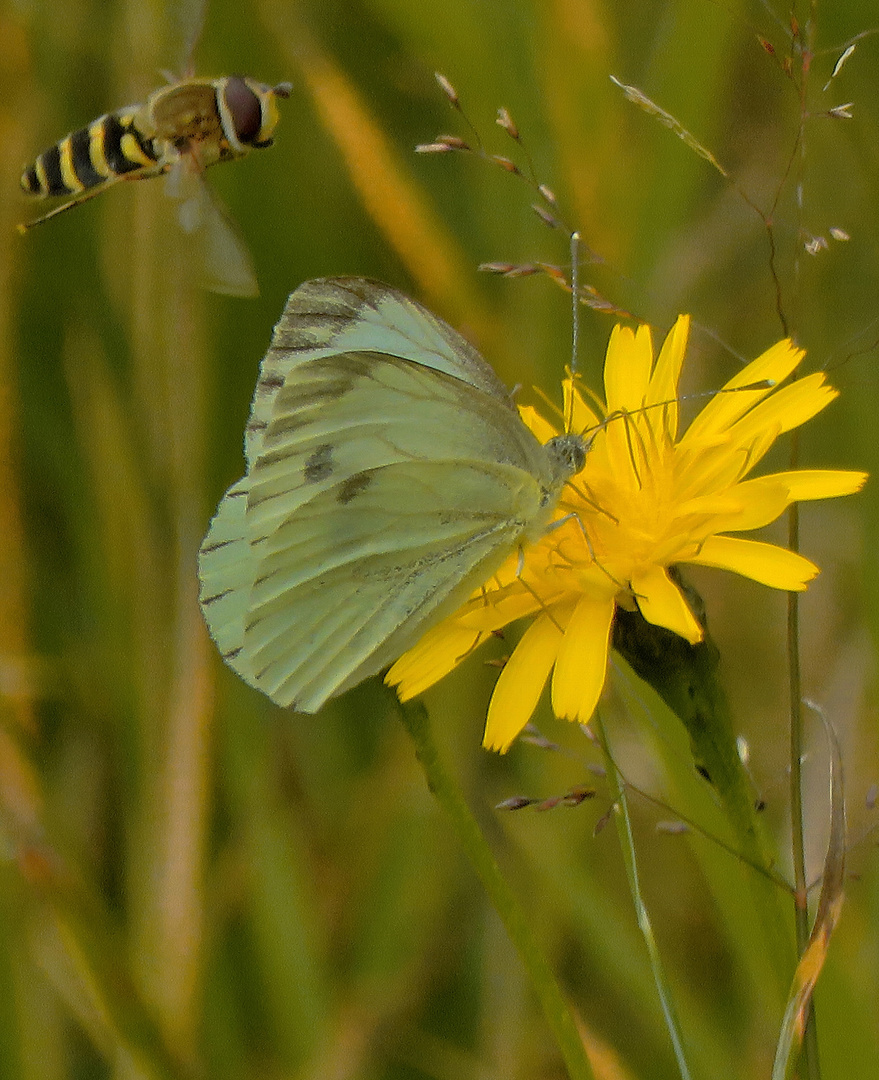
{"x": 646, "y": 499}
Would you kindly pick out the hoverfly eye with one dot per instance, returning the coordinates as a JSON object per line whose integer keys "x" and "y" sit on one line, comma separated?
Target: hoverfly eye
{"x": 244, "y": 108}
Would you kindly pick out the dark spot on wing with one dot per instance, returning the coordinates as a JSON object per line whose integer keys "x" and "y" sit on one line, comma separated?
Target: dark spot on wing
{"x": 205, "y": 600}
{"x": 272, "y": 381}
{"x": 352, "y": 487}
{"x": 320, "y": 465}
{"x": 207, "y": 549}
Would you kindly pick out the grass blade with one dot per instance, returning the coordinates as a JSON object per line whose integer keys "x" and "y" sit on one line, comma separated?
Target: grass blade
{"x": 826, "y": 917}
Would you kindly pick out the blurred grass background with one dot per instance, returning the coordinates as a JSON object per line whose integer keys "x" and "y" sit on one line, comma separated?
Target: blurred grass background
{"x": 196, "y": 884}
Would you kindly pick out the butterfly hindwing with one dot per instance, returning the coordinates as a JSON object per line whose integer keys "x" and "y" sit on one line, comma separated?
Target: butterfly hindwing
{"x": 341, "y": 591}
{"x": 227, "y": 568}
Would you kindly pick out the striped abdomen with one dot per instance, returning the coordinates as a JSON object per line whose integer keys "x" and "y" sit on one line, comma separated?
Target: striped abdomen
{"x": 108, "y": 148}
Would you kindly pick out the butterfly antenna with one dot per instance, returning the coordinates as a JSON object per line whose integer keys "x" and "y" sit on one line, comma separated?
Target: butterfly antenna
{"x": 575, "y": 299}
{"x": 575, "y": 321}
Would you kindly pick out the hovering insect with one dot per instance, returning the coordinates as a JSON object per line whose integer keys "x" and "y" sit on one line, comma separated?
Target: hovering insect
{"x": 180, "y": 130}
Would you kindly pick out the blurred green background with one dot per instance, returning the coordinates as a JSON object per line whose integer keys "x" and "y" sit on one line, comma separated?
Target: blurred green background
{"x": 195, "y": 884}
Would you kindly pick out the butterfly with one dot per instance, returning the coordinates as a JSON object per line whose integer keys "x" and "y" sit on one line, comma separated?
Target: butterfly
{"x": 388, "y": 475}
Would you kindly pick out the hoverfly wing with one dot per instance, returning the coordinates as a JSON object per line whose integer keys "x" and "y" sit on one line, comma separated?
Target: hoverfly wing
{"x": 184, "y": 184}
{"x": 225, "y": 262}
{"x": 189, "y": 20}
{"x": 179, "y": 182}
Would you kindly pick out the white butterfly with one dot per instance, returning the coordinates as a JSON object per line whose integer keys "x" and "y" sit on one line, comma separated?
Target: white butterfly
{"x": 388, "y": 476}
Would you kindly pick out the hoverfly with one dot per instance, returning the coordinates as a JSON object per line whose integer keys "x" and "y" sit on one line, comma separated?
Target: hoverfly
{"x": 180, "y": 130}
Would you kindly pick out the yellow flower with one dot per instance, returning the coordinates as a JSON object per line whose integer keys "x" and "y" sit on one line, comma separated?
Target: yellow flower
{"x": 645, "y": 500}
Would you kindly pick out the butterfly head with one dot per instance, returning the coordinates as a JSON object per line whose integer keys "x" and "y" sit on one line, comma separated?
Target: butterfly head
{"x": 567, "y": 454}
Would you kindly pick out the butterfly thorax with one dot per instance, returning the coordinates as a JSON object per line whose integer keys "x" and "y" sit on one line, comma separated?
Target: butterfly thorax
{"x": 564, "y": 457}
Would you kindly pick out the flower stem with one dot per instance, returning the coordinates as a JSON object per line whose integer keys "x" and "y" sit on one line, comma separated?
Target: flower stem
{"x": 810, "y": 1060}
{"x": 543, "y": 981}
{"x": 803, "y": 43}
{"x": 627, "y": 844}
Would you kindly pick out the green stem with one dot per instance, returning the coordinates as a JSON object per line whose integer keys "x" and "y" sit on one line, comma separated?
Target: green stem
{"x": 796, "y": 752}
{"x": 810, "y": 1058}
{"x": 543, "y": 981}
{"x": 804, "y": 44}
{"x": 627, "y": 845}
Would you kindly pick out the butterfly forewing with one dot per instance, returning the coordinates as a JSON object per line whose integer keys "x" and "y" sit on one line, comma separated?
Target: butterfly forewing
{"x": 330, "y": 316}
{"x": 339, "y": 416}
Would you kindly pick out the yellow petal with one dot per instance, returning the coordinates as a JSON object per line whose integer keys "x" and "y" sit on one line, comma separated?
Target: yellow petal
{"x": 581, "y": 416}
{"x": 820, "y": 483}
{"x": 766, "y": 498}
{"x": 440, "y": 650}
{"x": 701, "y": 469}
{"x": 675, "y": 548}
{"x": 664, "y": 381}
{"x": 521, "y": 683}
{"x": 494, "y": 609}
{"x": 726, "y": 408}
{"x": 662, "y": 603}
{"x": 627, "y": 368}
{"x": 581, "y": 666}
{"x": 770, "y": 565}
{"x": 774, "y": 365}
{"x": 786, "y": 409}
{"x": 542, "y": 430}
{"x": 723, "y": 503}
{"x": 759, "y": 502}
{"x": 621, "y": 451}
